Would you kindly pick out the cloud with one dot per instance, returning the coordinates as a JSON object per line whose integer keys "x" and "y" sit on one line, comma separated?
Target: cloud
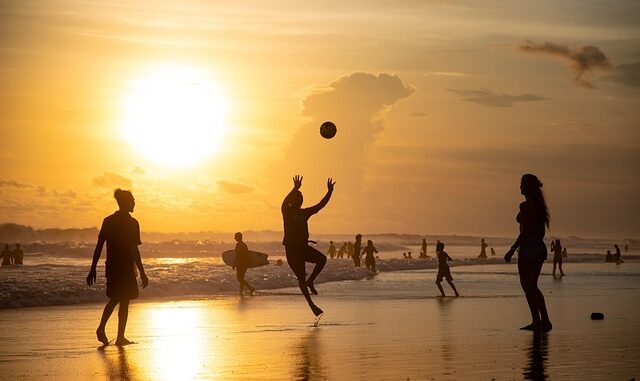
{"x": 14, "y": 184}
{"x": 357, "y": 104}
{"x": 137, "y": 171}
{"x": 446, "y": 73}
{"x": 234, "y": 188}
{"x": 489, "y": 98}
{"x": 628, "y": 74}
{"x": 112, "y": 180}
{"x": 586, "y": 59}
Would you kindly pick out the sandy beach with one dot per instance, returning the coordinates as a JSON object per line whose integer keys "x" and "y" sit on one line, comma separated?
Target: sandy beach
{"x": 391, "y": 326}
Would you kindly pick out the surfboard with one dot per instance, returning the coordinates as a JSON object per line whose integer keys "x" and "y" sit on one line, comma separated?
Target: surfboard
{"x": 256, "y": 258}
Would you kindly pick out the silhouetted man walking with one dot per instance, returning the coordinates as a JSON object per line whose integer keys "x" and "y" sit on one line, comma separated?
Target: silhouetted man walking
{"x": 121, "y": 232}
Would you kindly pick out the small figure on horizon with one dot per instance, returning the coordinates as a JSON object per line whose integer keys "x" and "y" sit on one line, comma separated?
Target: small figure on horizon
{"x": 557, "y": 256}
{"x": 369, "y": 259}
{"x": 121, "y": 232}
{"x": 356, "y": 250}
{"x": 617, "y": 256}
{"x": 409, "y": 255}
{"x": 332, "y": 250}
{"x": 7, "y": 256}
{"x": 17, "y": 255}
{"x": 279, "y": 262}
{"x": 483, "y": 249}
{"x": 296, "y": 238}
{"x": 423, "y": 250}
{"x": 443, "y": 269}
{"x": 241, "y": 263}
{"x": 533, "y": 219}
{"x": 493, "y": 252}
{"x": 342, "y": 250}
{"x": 350, "y": 250}
{"x": 609, "y": 257}
{"x": 552, "y": 246}
{"x": 564, "y": 252}
{"x": 404, "y": 255}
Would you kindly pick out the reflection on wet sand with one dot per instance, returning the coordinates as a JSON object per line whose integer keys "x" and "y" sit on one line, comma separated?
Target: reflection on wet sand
{"x": 309, "y": 366}
{"x": 538, "y": 352}
{"x": 117, "y": 365}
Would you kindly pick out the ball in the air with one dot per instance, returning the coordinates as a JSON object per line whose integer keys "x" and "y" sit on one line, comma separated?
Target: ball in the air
{"x": 328, "y": 130}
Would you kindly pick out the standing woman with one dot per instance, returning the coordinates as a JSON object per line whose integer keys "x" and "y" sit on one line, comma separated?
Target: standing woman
{"x": 534, "y": 220}
{"x": 557, "y": 257}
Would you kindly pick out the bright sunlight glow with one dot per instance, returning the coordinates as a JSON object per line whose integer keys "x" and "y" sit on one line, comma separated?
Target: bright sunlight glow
{"x": 175, "y": 115}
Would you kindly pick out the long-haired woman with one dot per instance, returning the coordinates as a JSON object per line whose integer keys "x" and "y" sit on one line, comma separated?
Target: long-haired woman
{"x": 534, "y": 220}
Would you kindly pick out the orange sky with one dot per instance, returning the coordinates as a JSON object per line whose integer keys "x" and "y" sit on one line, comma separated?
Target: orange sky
{"x": 440, "y": 107}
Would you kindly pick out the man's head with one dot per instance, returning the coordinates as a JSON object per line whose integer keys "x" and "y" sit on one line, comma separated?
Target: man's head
{"x": 125, "y": 200}
{"x": 440, "y": 246}
{"x": 238, "y": 237}
{"x": 296, "y": 200}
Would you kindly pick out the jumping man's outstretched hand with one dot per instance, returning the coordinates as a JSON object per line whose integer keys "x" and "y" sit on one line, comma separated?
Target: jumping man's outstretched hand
{"x": 330, "y": 184}
{"x": 297, "y": 182}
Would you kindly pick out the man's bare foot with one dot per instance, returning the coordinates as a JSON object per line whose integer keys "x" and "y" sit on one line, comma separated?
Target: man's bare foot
{"x": 316, "y": 310}
{"x": 530, "y": 327}
{"x": 457, "y": 294}
{"x": 442, "y": 296}
{"x": 102, "y": 336}
{"x": 124, "y": 341}
{"x": 546, "y": 326}
{"x": 311, "y": 288}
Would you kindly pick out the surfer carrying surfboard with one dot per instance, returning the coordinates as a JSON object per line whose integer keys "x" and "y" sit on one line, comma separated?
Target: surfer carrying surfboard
{"x": 296, "y": 238}
{"x": 242, "y": 263}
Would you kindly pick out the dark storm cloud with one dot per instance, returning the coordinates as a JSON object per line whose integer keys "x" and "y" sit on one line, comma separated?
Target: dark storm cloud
{"x": 112, "y": 180}
{"x": 234, "y": 188}
{"x": 584, "y": 60}
{"x": 491, "y": 99}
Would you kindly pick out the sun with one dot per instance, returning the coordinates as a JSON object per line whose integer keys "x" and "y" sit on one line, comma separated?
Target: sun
{"x": 175, "y": 115}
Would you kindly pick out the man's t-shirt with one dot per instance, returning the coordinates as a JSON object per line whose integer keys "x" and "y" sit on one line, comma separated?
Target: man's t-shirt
{"x": 122, "y": 234}
{"x": 296, "y": 228}
{"x": 442, "y": 259}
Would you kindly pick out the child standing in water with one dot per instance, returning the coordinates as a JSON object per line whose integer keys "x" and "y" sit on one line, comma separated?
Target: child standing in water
{"x": 443, "y": 269}
{"x": 242, "y": 263}
{"x": 370, "y": 260}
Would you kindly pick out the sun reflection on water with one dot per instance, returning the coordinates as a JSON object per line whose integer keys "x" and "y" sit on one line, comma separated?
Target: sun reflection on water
{"x": 178, "y": 349}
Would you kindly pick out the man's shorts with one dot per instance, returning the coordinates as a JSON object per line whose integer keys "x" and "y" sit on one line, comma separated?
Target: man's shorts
{"x": 444, "y": 272}
{"x": 299, "y": 254}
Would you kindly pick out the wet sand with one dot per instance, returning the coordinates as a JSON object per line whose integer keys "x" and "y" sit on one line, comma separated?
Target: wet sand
{"x": 399, "y": 336}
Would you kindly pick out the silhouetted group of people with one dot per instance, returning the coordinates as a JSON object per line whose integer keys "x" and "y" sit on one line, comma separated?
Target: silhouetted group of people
{"x": 12, "y": 257}
{"x": 121, "y": 233}
{"x": 355, "y": 251}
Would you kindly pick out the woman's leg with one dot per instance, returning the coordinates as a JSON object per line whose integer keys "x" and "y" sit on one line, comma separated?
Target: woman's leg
{"x": 527, "y": 282}
{"x": 540, "y": 302}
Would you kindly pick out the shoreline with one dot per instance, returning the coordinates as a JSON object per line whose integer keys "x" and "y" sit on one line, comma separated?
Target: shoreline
{"x": 220, "y": 281}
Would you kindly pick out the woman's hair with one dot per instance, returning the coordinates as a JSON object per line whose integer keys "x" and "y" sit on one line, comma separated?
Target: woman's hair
{"x": 532, "y": 189}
